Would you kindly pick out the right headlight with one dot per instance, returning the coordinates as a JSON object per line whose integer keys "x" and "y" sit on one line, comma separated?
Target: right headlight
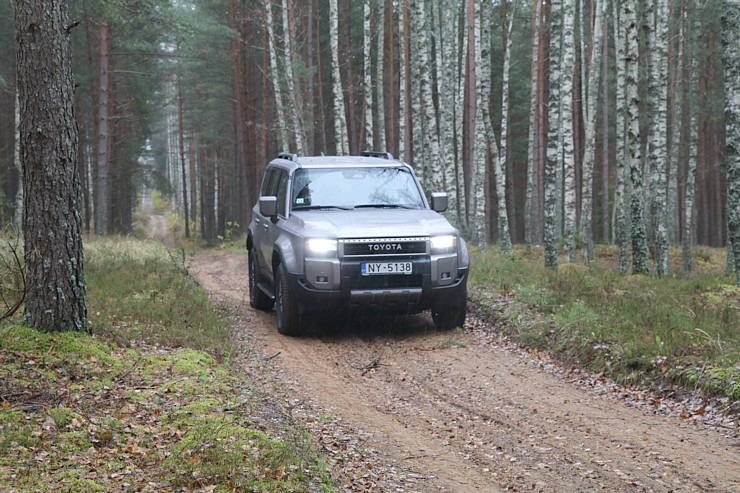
{"x": 443, "y": 244}
{"x": 321, "y": 247}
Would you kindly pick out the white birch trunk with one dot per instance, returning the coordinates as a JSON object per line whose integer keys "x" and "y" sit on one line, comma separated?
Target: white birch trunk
{"x": 639, "y": 240}
{"x": 482, "y": 142}
{"x": 295, "y": 106}
{"x": 553, "y": 136}
{"x": 569, "y": 171}
{"x": 379, "y": 75}
{"x": 462, "y": 82}
{"x": 433, "y": 173}
{"x": 657, "y": 137}
{"x": 676, "y": 128}
{"x": 620, "y": 224}
{"x": 403, "y": 41}
{"x": 533, "y": 235}
{"x": 367, "y": 73}
{"x": 340, "y": 121}
{"x": 418, "y": 152}
{"x": 689, "y": 220}
{"x": 18, "y": 219}
{"x": 280, "y": 107}
{"x": 501, "y": 157}
{"x": 730, "y": 36}
{"x": 589, "y": 154}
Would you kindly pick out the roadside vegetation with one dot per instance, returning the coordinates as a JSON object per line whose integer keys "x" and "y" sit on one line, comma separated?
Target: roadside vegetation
{"x": 680, "y": 330}
{"x": 151, "y": 402}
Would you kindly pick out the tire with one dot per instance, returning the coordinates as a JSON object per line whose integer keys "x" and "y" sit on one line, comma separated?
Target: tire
{"x": 450, "y": 314}
{"x": 287, "y": 309}
{"x": 257, "y": 298}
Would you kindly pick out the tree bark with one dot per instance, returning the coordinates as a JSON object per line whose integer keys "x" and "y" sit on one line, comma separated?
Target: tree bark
{"x": 102, "y": 194}
{"x": 52, "y": 226}
{"x": 567, "y": 125}
{"x": 730, "y": 35}
{"x": 340, "y": 121}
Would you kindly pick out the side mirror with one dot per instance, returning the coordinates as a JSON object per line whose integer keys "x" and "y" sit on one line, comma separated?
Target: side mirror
{"x": 268, "y": 206}
{"x": 439, "y": 201}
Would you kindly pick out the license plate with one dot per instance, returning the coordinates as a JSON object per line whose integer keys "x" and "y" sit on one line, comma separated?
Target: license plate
{"x": 386, "y": 268}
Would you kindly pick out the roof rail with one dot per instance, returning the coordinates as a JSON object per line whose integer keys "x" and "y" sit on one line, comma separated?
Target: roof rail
{"x": 288, "y": 155}
{"x": 379, "y": 154}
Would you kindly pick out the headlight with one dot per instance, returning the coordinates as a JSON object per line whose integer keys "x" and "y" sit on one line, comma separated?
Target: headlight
{"x": 321, "y": 247}
{"x": 443, "y": 244}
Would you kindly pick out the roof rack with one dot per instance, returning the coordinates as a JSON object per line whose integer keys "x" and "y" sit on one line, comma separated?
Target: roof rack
{"x": 288, "y": 156}
{"x": 379, "y": 154}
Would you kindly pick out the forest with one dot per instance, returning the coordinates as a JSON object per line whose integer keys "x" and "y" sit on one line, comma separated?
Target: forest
{"x": 563, "y": 122}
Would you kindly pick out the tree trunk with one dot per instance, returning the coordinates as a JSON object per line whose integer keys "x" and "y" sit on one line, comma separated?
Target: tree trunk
{"x": 102, "y": 193}
{"x": 589, "y": 155}
{"x": 532, "y": 231}
{"x": 18, "y": 165}
{"x": 501, "y": 160}
{"x": 639, "y": 240}
{"x": 380, "y": 142}
{"x": 340, "y": 121}
{"x": 181, "y": 147}
{"x": 569, "y": 171}
{"x": 730, "y": 35}
{"x": 52, "y": 226}
{"x": 293, "y": 91}
{"x": 553, "y": 135}
{"x": 367, "y": 75}
{"x": 284, "y": 143}
{"x": 621, "y": 225}
{"x": 657, "y": 135}
{"x": 430, "y": 136}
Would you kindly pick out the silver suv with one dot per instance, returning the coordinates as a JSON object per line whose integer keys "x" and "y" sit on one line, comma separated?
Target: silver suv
{"x": 333, "y": 233}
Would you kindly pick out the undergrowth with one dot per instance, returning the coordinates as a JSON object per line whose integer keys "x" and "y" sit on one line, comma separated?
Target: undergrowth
{"x": 637, "y": 329}
{"x": 148, "y": 402}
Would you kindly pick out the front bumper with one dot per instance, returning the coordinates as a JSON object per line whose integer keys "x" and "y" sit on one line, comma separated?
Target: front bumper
{"x": 431, "y": 280}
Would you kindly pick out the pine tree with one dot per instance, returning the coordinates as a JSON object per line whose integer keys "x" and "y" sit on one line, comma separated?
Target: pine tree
{"x": 55, "y": 297}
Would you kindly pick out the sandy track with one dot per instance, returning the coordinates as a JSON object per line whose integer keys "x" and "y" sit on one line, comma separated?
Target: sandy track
{"x": 457, "y": 413}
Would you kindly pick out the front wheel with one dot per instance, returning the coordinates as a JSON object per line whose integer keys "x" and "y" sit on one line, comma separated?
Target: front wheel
{"x": 257, "y": 298}
{"x": 450, "y": 313}
{"x": 287, "y": 309}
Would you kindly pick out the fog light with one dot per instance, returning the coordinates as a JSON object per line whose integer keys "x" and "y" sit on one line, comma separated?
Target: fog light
{"x": 322, "y": 279}
{"x": 445, "y": 276}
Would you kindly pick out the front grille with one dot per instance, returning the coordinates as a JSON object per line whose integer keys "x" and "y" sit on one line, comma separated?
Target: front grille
{"x": 384, "y": 246}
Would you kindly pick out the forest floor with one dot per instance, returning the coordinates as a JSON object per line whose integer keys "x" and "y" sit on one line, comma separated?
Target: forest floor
{"x": 399, "y": 407}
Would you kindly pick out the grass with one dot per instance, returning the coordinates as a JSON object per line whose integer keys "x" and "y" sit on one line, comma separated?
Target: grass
{"x": 637, "y": 329}
{"x": 150, "y": 401}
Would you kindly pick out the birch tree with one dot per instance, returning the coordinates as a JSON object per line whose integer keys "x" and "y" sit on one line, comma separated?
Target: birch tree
{"x": 533, "y": 234}
{"x": 621, "y": 223}
{"x": 569, "y": 171}
{"x": 687, "y": 238}
{"x": 553, "y": 135}
{"x": 589, "y": 154}
{"x": 657, "y": 135}
{"x": 379, "y": 74}
{"x": 730, "y": 35}
{"x": 404, "y": 134}
{"x": 293, "y": 92}
{"x": 340, "y": 121}
{"x": 639, "y": 240}
{"x": 367, "y": 73}
{"x": 280, "y": 107}
{"x": 501, "y": 157}
{"x": 430, "y": 136}
{"x": 483, "y": 143}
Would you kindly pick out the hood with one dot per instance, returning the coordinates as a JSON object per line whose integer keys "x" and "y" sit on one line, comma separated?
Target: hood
{"x": 372, "y": 223}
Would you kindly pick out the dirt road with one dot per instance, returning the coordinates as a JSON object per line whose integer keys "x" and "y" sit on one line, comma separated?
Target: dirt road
{"x": 402, "y": 408}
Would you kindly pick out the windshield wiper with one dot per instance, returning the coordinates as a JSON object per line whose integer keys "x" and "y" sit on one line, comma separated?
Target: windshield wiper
{"x": 320, "y": 207}
{"x": 385, "y": 206}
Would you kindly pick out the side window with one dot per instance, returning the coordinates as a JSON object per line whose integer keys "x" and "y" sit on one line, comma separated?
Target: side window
{"x": 268, "y": 183}
{"x": 282, "y": 191}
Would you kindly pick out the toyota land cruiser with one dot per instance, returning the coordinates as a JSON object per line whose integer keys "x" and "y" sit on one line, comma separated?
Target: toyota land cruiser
{"x": 330, "y": 233}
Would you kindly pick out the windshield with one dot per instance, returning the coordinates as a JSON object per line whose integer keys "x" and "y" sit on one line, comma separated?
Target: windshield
{"x": 347, "y": 188}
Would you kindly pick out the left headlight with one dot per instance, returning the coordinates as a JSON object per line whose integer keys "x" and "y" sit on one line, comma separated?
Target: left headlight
{"x": 321, "y": 247}
{"x": 443, "y": 244}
